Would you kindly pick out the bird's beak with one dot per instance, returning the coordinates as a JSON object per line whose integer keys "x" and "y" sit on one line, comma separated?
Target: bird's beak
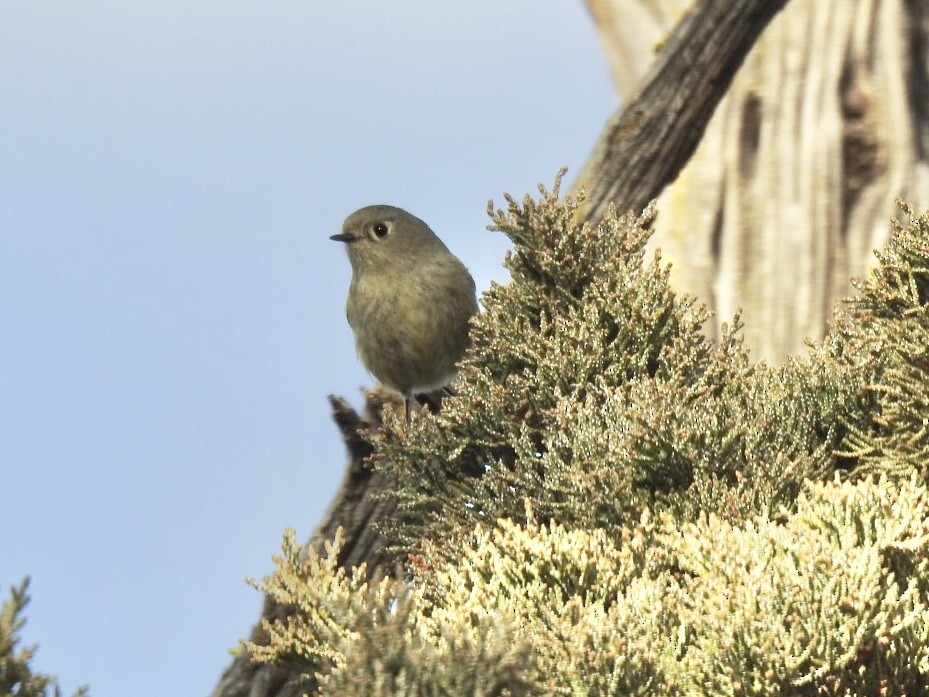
{"x": 344, "y": 237}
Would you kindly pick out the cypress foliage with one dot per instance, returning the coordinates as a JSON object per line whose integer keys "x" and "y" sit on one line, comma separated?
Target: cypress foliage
{"x": 17, "y": 677}
{"x": 612, "y": 504}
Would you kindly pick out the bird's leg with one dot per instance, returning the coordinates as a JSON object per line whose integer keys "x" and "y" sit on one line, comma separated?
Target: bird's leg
{"x": 431, "y": 400}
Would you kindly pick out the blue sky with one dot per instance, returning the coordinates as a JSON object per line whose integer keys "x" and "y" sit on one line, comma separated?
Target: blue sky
{"x": 171, "y": 308}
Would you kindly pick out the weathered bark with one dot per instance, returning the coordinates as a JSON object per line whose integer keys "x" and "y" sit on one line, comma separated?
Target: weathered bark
{"x": 794, "y": 182}
{"x": 644, "y": 147}
{"x": 357, "y": 507}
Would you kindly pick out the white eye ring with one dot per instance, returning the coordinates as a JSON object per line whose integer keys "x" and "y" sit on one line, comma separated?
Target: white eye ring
{"x": 379, "y": 231}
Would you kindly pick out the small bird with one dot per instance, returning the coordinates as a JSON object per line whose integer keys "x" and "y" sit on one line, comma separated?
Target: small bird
{"x": 410, "y": 300}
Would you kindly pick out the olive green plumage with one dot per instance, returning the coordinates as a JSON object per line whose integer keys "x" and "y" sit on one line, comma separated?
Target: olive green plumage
{"x": 409, "y": 302}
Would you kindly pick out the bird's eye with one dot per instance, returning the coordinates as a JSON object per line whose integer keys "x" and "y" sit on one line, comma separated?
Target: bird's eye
{"x": 380, "y": 230}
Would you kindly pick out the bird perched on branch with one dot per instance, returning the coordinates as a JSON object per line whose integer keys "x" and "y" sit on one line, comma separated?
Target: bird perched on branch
{"x": 409, "y": 303}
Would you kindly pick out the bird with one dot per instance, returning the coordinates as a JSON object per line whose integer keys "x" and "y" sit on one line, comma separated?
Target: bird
{"x": 410, "y": 300}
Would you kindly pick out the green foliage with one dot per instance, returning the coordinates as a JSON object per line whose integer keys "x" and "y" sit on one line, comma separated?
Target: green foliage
{"x": 590, "y": 380}
{"x": 835, "y": 598}
{"x": 16, "y": 676}
{"x": 366, "y": 639}
{"x": 613, "y": 505}
{"x": 886, "y": 336}
{"x": 832, "y": 599}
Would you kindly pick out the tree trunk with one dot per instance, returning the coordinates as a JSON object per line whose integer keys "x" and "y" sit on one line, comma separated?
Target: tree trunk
{"x": 356, "y": 508}
{"x": 794, "y": 182}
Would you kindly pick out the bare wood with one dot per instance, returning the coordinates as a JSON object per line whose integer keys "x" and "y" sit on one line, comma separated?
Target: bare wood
{"x": 652, "y": 137}
{"x": 792, "y": 187}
